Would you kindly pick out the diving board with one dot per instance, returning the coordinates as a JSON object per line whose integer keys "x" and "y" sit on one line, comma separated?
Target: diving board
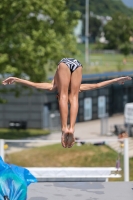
{"x": 65, "y": 174}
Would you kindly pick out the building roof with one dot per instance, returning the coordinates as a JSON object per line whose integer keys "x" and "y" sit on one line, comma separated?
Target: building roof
{"x": 106, "y": 75}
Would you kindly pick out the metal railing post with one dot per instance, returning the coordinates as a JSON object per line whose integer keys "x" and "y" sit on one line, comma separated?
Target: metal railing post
{"x": 126, "y": 160}
{"x": 2, "y": 148}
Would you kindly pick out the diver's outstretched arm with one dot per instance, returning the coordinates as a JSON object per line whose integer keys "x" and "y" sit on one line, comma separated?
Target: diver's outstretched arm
{"x": 44, "y": 86}
{"x": 94, "y": 86}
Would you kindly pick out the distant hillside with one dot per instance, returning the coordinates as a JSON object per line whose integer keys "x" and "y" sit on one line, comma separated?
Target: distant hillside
{"x": 101, "y": 7}
{"x": 109, "y": 7}
{"x": 128, "y": 3}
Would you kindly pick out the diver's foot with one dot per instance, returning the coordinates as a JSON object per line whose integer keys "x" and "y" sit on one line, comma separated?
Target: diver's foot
{"x": 64, "y": 138}
{"x": 71, "y": 139}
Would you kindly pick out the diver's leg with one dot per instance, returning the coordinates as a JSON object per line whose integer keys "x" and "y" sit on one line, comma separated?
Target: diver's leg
{"x": 62, "y": 80}
{"x": 76, "y": 78}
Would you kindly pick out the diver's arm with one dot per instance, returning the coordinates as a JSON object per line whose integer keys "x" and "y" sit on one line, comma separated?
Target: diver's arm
{"x": 44, "y": 86}
{"x": 94, "y": 86}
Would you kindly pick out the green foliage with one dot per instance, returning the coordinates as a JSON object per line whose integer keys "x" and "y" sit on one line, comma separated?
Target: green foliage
{"x": 109, "y": 7}
{"x": 125, "y": 48}
{"x": 35, "y": 34}
{"x": 94, "y": 28}
{"x": 101, "y": 8}
{"x": 104, "y": 7}
{"x": 3, "y": 101}
{"x": 20, "y": 134}
{"x": 95, "y": 25}
{"x": 118, "y": 32}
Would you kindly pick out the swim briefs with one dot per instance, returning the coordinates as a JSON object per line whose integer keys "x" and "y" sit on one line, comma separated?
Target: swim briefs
{"x": 72, "y": 63}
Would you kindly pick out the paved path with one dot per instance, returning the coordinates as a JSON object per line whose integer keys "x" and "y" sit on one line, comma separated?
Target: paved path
{"x": 84, "y": 130}
{"x": 92, "y": 129}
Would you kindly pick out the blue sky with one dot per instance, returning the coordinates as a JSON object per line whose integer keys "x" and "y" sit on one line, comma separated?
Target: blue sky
{"x": 128, "y": 2}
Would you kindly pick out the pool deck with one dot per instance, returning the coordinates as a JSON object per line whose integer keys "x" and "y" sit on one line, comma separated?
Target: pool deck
{"x": 80, "y": 191}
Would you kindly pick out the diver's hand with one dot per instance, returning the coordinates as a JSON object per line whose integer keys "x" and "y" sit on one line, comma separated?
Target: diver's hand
{"x": 122, "y": 80}
{"x": 9, "y": 80}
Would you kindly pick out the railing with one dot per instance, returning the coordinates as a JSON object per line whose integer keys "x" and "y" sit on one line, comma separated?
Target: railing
{"x": 125, "y": 152}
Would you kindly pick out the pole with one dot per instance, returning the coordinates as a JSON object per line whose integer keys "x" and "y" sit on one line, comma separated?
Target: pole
{"x": 2, "y": 148}
{"x": 87, "y": 32}
{"x": 126, "y": 160}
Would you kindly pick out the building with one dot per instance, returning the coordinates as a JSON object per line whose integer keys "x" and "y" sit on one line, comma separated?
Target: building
{"x": 39, "y": 109}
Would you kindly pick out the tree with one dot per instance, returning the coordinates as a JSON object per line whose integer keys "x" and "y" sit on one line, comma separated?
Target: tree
{"x": 98, "y": 8}
{"x": 35, "y": 34}
{"x": 118, "y": 32}
{"x": 94, "y": 28}
{"x": 104, "y": 7}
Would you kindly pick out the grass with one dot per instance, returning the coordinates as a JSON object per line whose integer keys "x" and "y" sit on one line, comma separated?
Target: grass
{"x": 56, "y": 156}
{"x": 19, "y": 134}
{"x": 104, "y": 62}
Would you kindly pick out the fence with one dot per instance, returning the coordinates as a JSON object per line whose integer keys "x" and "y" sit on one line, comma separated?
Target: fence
{"x": 125, "y": 152}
